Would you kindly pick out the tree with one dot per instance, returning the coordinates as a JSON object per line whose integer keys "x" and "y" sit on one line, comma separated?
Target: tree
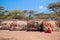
{"x": 53, "y": 15}
{"x": 31, "y": 12}
{"x": 2, "y": 8}
{"x": 55, "y": 7}
{"x": 40, "y": 15}
{"x": 2, "y": 12}
{"x": 16, "y": 14}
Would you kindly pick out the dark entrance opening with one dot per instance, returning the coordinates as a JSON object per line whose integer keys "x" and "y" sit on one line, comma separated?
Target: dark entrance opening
{"x": 41, "y": 28}
{"x": 59, "y": 24}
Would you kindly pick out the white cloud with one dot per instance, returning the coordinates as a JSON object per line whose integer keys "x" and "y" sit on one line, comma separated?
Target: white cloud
{"x": 42, "y": 8}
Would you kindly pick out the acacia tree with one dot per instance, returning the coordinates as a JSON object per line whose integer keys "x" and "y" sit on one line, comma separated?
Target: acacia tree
{"x": 41, "y": 15}
{"x": 55, "y": 7}
{"x": 31, "y": 12}
{"x": 16, "y": 14}
{"x": 2, "y": 12}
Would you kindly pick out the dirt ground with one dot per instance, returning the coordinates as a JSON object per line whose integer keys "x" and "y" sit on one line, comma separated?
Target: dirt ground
{"x": 24, "y": 35}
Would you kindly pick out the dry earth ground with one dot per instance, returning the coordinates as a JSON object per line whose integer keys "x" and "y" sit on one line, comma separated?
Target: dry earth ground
{"x": 23, "y": 35}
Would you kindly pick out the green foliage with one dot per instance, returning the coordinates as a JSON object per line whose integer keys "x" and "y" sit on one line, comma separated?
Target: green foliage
{"x": 40, "y": 15}
{"x": 55, "y": 7}
{"x": 45, "y": 16}
{"x": 16, "y": 14}
{"x": 29, "y": 18}
{"x": 31, "y": 12}
{"x": 53, "y": 15}
{"x": 2, "y": 12}
{"x": 21, "y": 14}
{"x": 2, "y": 8}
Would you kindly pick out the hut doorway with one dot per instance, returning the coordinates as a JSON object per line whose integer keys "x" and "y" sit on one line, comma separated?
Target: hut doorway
{"x": 41, "y": 27}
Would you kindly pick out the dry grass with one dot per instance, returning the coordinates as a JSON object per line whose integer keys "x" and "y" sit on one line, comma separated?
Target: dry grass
{"x": 23, "y": 35}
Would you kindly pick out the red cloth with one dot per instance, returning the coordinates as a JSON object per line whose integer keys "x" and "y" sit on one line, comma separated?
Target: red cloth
{"x": 49, "y": 31}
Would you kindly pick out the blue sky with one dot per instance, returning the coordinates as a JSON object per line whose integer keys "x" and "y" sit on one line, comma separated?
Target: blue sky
{"x": 37, "y": 5}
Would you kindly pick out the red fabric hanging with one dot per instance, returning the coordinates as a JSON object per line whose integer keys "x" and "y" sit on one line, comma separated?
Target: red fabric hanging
{"x": 49, "y": 30}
